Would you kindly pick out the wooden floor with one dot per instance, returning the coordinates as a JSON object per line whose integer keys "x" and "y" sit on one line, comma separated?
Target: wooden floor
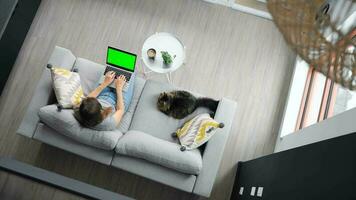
{"x": 229, "y": 54}
{"x": 17, "y": 187}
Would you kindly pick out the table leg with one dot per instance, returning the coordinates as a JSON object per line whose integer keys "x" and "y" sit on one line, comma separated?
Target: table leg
{"x": 146, "y": 72}
{"x": 169, "y": 77}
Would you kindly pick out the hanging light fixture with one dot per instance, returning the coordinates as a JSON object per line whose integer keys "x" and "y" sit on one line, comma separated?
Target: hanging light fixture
{"x": 323, "y": 33}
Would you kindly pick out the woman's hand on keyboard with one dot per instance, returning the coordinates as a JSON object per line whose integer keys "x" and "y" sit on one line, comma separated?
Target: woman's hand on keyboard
{"x": 120, "y": 82}
{"x": 109, "y": 78}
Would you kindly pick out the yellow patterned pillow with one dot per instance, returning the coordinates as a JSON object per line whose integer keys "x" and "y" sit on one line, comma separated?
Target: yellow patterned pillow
{"x": 197, "y": 131}
{"x": 67, "y": 87}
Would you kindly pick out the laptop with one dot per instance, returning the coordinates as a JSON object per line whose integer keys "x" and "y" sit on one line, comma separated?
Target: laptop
{"x": 120, "y": 62}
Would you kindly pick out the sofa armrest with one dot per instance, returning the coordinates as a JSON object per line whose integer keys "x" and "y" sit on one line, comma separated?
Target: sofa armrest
{"x": 60, "y": 57}
{"x": 215, "y": 148}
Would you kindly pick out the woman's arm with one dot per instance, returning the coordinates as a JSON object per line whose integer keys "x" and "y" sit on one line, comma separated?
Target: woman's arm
{"x": 120, "y": 107}
{"x": 109, "y": 77}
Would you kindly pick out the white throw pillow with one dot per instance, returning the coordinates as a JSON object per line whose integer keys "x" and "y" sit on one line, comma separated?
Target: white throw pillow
{"x": 67, "y": 87}
{"x": 197, "y": 131}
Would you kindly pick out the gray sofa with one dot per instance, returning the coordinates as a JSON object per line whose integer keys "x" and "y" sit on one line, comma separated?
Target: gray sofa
{"x": 142, "y": 144}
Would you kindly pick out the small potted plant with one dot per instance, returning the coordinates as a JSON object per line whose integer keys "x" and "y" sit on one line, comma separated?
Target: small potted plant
{"x": 167, "y": 58}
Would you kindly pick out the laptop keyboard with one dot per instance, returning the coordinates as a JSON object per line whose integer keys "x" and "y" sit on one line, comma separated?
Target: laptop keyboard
{"x": 119, "y": 72}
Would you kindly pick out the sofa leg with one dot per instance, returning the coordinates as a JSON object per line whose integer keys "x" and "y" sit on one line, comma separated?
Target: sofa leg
{"x": 174, "y": 135}
{"x": 59, "y": 107}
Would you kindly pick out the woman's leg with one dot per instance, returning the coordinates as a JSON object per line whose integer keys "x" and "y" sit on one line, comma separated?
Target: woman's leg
{"x": 108, "y": 94}
{"x": 104, "y": 91}
{"x": 127, "y": 95}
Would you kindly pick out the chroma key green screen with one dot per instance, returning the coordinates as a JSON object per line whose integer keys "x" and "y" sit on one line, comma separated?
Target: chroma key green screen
{"x": 121, "y": 59}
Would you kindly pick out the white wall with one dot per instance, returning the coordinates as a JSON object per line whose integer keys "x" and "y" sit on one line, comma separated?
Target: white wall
{"x": 342, "y": 124}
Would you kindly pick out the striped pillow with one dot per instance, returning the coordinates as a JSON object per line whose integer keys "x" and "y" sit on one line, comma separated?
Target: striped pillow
{"x": 67, "y": 87}
{"x": 197, "y": 131}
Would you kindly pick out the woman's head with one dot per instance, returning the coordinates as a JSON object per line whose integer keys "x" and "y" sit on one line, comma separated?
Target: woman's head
{"x": 90, "y": 112}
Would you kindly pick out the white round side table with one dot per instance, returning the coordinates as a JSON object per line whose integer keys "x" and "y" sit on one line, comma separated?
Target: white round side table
{"x": 163, "y": 42}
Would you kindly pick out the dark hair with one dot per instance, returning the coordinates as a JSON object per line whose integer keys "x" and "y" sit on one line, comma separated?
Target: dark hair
{"x": 90, "y": 112}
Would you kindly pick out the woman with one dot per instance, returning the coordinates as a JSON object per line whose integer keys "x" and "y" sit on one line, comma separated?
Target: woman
{"x": 104, "y": 107}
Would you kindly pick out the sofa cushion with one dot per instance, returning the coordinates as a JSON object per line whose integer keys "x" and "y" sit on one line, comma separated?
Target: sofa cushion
{"x": 90, "y": 73}
{"x": 141, "y": 145}
{"x": 65, "y": 123}
{"x": 150, "y": 120}
{"x": 126, "y": 119}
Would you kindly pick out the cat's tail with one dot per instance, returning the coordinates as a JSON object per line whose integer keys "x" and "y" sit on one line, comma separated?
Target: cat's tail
{"x": 211, "y": 104}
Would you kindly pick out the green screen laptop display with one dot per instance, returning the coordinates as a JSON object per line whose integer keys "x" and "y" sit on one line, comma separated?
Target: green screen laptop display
{"x": 121, "y": 59}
